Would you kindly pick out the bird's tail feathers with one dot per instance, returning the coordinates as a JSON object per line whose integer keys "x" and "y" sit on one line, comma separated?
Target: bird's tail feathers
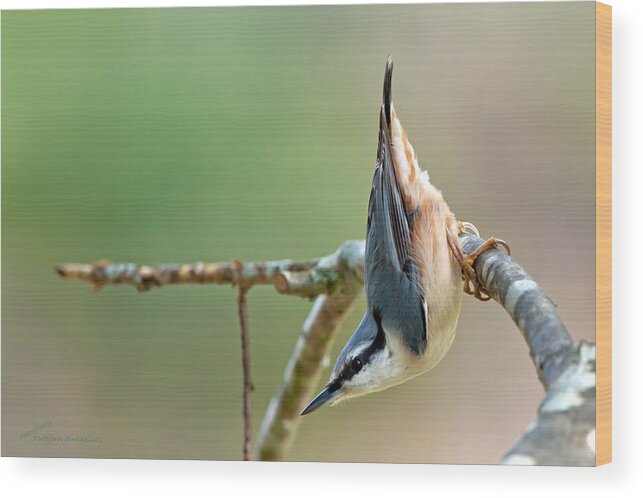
{"x": 386, "y": 100}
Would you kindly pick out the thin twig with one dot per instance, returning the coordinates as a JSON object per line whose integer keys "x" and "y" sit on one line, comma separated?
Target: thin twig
{"x": 247, "y": 379}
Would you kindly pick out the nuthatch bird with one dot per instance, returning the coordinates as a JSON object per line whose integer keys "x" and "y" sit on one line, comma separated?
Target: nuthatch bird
{"x": 413, "y": 273}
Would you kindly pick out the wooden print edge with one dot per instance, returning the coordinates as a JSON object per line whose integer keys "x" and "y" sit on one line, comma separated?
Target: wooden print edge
{"x": 603, "y": 233}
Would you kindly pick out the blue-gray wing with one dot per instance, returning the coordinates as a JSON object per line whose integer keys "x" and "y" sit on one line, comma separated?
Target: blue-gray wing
{"x": 391, "y": 274}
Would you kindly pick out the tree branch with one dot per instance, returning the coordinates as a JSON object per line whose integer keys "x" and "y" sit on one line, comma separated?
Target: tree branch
{"x": 103, "y": 272}
{"x": 302, "y": 372}
{"x": 298, "y": 278}
{"x": 532, "y": 311}
{"x": 564, "y": 431}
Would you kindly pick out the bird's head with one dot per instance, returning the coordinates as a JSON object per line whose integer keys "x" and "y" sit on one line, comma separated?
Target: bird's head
{"x": 368, "y": 363}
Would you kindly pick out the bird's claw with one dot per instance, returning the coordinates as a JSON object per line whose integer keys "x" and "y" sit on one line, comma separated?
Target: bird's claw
{"x": 472, "y": 284}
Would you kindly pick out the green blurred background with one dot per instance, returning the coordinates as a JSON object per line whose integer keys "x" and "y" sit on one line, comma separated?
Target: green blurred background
{"x": 206, "y": 134}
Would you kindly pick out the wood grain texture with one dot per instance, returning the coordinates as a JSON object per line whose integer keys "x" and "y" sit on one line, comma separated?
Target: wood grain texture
{"x": 603, "y": 233}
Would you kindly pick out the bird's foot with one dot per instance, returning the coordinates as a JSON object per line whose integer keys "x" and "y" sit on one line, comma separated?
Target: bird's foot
{"x": 472, "y": 284}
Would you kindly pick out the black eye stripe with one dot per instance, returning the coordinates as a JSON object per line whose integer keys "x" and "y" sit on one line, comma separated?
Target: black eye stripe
{"x": 348, "y": 372}
{"x": 335, "y": 385}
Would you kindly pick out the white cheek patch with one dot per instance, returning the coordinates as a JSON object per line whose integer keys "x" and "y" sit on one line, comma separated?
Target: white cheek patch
{"x": 376, "y": 374}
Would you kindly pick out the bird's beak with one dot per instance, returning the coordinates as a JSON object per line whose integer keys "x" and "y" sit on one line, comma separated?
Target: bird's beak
{"x": 319, "y": 400}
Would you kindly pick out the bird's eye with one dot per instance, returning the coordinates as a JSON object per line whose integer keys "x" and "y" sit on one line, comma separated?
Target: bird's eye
{"x": 356, "y": 364}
